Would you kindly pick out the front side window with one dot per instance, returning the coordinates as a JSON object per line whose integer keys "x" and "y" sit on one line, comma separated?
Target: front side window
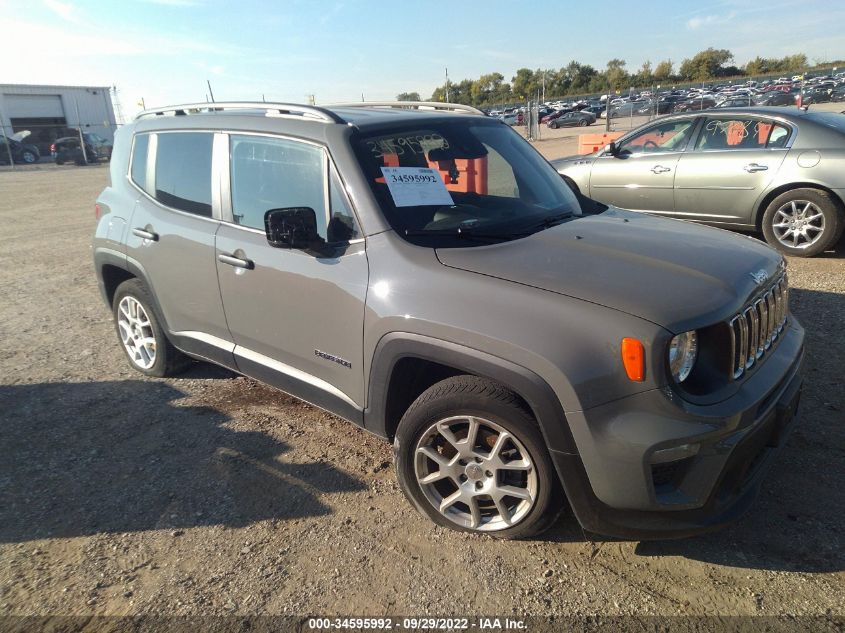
{"x": 443, "y": 182}
{"x": 183, "y": 171}
{"x": 666, "y": 137}
{"x": 271, "y": 173}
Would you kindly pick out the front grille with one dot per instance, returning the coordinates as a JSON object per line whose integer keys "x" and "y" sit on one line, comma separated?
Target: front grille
{"x": 756, "y": 328}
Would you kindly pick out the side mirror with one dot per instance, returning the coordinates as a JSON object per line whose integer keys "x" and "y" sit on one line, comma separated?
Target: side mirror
{"x": 292, "y": 227}
{"x": 611, "y": 149}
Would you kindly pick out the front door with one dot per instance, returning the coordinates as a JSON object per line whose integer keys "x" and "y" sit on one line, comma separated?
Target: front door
{"x": 641, "y": 174}
{"x": 296, "y": 318}
{"x": 734, "y": 158}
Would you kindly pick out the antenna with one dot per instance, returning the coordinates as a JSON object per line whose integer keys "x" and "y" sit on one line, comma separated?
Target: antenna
{"x": 209, "y": 90}
{"x": 118, "y": 109}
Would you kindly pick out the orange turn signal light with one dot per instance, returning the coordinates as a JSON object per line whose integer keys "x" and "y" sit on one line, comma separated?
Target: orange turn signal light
{"x": 633, "y": 357}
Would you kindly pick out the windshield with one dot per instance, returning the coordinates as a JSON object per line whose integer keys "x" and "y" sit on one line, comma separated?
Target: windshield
{"x": 439, "y": 183}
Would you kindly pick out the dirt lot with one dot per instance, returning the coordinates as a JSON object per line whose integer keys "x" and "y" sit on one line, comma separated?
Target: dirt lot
{"x": 211, "y": 494}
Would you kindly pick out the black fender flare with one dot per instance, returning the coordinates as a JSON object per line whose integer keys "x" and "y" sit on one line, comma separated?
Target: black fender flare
{"x": 536, "y": 392}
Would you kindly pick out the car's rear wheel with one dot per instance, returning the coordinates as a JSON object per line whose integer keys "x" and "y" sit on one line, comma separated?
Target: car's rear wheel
{"x": 470, "y": 457}
{"x": 141, "y": 337}
{"x": 803, "y": 222}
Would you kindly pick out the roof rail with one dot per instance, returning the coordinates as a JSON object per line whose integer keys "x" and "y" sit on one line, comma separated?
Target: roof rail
{"x": 405, "y": 105}
{"x": 269, "y": 108}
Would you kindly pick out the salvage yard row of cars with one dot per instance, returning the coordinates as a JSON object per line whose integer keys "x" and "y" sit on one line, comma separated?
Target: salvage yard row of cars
{"x": 780, "y": 92}
{"x": 65, "y": 149}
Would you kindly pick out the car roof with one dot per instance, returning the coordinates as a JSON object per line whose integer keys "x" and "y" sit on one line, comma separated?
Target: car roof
{"x": 363, "y": 115}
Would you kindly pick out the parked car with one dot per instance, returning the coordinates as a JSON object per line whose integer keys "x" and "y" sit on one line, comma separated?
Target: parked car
{"x": 67, "y": 149}
{"x": 572, "y": 119}
{"x": 666, "y": 104}
{"x": 595, "y": 110}
{"x": 775, "y": 98}
{"x": 519, "y": 345}
{"x": 695, "y": 104}
{"x": 739, "y": 169}
{"x": 735, "y": 102}
{"x": 818, "y": 94}
{"x": 24, "y": 153}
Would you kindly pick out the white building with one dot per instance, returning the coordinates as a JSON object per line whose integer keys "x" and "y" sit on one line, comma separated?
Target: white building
{"x": 50, "y": 112}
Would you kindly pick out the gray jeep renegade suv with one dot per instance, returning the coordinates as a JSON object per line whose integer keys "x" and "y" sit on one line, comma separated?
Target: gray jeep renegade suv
{"x": 423, "y": 272}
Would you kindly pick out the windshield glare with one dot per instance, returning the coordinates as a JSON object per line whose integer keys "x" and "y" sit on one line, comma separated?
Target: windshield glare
{"x": 461, "y": 177}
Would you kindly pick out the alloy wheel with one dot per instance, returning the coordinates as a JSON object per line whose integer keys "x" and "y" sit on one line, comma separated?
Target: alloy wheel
{"x": 136, "y": 332}
{"x": 798, "y": 224}
{"x": 476, "y": 473}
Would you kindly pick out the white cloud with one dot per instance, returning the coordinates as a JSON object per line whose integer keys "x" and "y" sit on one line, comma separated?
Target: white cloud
{"x": 695, "y": 23}
{"x": 64, "y": 10}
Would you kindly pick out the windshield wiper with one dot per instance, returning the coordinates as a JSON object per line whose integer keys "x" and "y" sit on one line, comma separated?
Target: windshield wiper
{"x": 552, "y": 220}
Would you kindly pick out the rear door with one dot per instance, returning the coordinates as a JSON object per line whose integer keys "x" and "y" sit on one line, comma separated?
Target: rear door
{"x": 733, "y": 159}
{"x": 171, "y": 238}
{"x": 641, "y": 174}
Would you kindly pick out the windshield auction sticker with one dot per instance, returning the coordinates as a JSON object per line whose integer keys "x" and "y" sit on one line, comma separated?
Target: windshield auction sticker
{"x": 416, "y": 186}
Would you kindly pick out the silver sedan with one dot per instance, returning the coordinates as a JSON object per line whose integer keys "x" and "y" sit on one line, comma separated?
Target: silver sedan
{"x": 779, "y": 170}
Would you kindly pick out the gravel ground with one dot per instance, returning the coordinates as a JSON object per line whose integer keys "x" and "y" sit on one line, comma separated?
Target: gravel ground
{"x": 211, "y": 494}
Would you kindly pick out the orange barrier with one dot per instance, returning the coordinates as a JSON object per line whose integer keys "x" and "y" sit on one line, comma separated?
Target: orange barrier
{"x": 590, "y": 143}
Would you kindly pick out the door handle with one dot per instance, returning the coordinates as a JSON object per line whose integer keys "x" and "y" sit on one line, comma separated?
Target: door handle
{"x": 660, "y": 169}
{"x": 237, "y": 262}
{"x": 144, "y": 234}
{"x": 752, "y": 167}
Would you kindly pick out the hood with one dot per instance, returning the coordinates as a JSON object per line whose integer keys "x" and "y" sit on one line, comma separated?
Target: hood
{"x": 676, "y": 274}
{"x": 20, "y": 136}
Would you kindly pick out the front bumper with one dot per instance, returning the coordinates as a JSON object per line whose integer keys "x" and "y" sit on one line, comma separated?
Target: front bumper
{"x": 614, "y": 487}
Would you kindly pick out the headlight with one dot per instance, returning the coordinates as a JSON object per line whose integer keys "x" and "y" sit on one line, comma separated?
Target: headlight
{"x": 683, "y": 351}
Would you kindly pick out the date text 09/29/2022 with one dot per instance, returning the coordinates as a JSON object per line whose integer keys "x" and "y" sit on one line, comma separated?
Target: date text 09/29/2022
{"x": 417, "y": 624}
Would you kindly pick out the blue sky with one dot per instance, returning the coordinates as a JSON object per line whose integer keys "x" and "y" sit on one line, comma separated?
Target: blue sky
{"x": 164, "y": 50}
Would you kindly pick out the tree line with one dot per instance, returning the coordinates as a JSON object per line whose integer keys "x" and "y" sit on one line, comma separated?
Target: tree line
{"x": 578, "y": 79}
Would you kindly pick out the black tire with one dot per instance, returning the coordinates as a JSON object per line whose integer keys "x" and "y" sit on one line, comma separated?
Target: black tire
{"x": 60, "y": 162}
{"x": 553, "y": 125}
{"x": 491, "y": 401}
{"x": 29, "y": 157}
{"x": 169, "y": 361}
{"x": 833, "y": 221}
{"x": 583, "y": 123}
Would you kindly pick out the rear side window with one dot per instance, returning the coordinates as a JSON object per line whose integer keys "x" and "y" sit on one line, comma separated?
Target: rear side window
{"x": 139, "y": 160}
{"x": 183, "y": 171}
{"x": 741, "y": 133}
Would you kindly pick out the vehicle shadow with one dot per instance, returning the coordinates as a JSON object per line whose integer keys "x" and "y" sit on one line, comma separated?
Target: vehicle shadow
{"x": 127, "y": 456}
{"x": 796, "y": 523}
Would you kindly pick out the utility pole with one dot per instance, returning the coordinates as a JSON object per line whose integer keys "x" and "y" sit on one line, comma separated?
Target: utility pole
{"x": 607, "y": 110}
{"x": 79, "y": 129}
{"x": 447, "y": 85}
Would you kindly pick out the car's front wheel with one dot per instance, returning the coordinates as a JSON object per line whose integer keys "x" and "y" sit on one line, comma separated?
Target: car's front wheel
{"x": 141, "y": 336}
{"x": 803, "y": 222}
{"x": 29, "y": 157}
{"x": 471, "y": 457}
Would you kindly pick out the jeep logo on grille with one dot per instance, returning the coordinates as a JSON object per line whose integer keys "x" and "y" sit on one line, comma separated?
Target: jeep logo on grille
{"x": 760, "y": 277}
